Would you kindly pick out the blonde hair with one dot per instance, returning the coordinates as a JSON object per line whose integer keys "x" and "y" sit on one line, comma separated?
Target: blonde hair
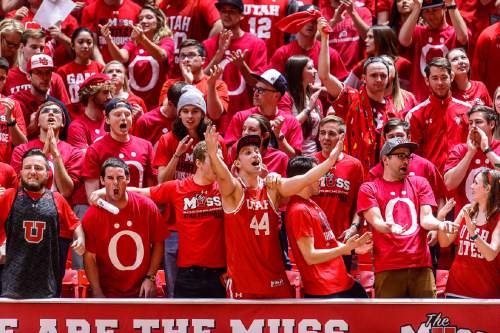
{"x": 396, "y": 94}
{"x": 125, "y": 86}
{"x": 13, "y": 25}
{"x": 162, "y": 29}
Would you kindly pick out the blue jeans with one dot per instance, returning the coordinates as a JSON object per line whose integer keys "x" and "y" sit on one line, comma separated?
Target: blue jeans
{"x": 170, "y": 262}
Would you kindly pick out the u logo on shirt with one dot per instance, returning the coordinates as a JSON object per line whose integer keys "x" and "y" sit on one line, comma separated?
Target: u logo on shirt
{"x": 33, "y": 231}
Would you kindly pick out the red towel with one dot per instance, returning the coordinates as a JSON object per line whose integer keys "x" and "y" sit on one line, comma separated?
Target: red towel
{"x": 295, "y": 22}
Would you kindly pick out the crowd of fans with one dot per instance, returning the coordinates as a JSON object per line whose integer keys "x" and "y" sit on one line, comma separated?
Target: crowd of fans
{"x": 235, "y": 142}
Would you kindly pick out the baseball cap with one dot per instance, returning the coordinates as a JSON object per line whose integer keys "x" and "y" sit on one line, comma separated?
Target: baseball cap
{"x": 39, "y": 61}
{"x": 274, "y": 78}
{"x": 94, "y": 83}
{"x": 393, "y": 144}
{"x": 432, "y": 4}
{"x": 191, "y": 96}
{"x": 248, "y": 140}
{"x": 115, "y": 103}
{"x": 235, "y": 3}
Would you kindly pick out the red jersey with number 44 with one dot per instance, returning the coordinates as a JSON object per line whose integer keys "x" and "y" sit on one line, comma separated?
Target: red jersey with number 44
{"x": 399, "y": 202}
{"x": 254, "y": 258}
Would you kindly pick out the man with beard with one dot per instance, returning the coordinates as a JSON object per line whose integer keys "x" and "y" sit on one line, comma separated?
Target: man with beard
{"x": 440, "y": 122}
{"x": 124, "y": 250}
{"x": 399, "y": 209}
{"x": 94, "y": 93}
{"x": 37, "y": 225}
{"x": 137, "y": 153}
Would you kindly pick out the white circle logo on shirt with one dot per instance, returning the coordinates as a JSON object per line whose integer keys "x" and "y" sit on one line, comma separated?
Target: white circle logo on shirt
{"x": 97, "y": 131}
{"x": 389, "y": 211}
{"x": 116, "y": 225}
{"x": 129, "y": 223}
{"x": 121, "y": 155}
{"x": 133, "y": 154}
{"x": 113, "y": 252}
{"x": 165, "y": 130}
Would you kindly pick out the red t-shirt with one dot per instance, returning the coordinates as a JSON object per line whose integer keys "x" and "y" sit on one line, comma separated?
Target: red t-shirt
{"x": 446, "y": 120}
{"x": 339, "y": 190}
{"x": 5, "y": 139}
{"x": 291, "y": 127}
{"x": 282, "y": 54}
{"x": 345, "y": 37}
{"x": 399, "y": 202}
{"x": 84, "y": 131}
{"x": 72, "y": 159}
{"x": 256, "y": 59}
{"x": 485, "y": 64}
{"x": 463, "y": 193}
{"x": 122, "y": 18}
{"x": 254, "y": 258}
{"x": 122, "y": 243}
{"x": 73, "y": 75}
{"x": 418, "y": 166}
{"x": 471, "y": 275}
{"x": 220, "y": 89}
{"x": 476, "y": 15}
{"x": 146, "y": 75}
{"x": 17, "y": 80}
{"x": 188, "y": 19}
{"x": 186, "y": 167}
{"x": 477, "y": 94}
{"x": 260, "y": 17}
{"x": 427, "y": 44}
{"x": 304, "y": 218}
{"x": 137, "y": 153}
{"x": 199, "y": 221}
{"x": 68, "y": 221}
{"x": 152, "y": 125}
{"x": 8, "y": 176}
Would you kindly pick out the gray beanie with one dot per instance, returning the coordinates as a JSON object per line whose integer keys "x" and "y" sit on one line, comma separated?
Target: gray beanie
{"x": 191, "y": 96}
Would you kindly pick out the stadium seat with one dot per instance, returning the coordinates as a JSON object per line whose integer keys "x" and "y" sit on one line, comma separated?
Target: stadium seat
{"x": 161, "y": 284}
{"x": 83, "y": 283}
{"x": 70, "y": 284}
{"x": 367, "y": 278}
{"x": 441, "y": 280}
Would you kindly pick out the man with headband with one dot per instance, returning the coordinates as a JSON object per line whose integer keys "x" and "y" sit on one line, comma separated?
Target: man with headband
{"x": 137, "y": 153}
{"x": 94, "y": 93}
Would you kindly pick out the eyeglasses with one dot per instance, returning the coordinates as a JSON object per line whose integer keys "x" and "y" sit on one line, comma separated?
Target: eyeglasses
{"x": 189, "y": 56}
{"x": 402, "y": 156}
{"x": 53, "y": 110}
{"x": 260, "y": 90}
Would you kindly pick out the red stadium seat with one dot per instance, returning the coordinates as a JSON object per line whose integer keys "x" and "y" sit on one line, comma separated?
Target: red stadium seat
{"x": 161, "y": 284}
{"x": 367, "y": 278}
{"x": 83, "y": 283}
{"x": 441, "y": 280}
{"x": 70, "y": 284}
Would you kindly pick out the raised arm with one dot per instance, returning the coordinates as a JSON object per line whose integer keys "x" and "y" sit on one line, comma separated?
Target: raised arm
{"x": 331, "y": 83}
{"x": 228, "y": 185}
{"x": 458, "y": 23}
{"x": 406, "y": 32}
{"x": 289, "y": 186}
{"x": 488, "y": 250}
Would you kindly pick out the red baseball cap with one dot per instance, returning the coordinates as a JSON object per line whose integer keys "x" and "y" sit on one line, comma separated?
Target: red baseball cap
{"x": 39, "y": 61}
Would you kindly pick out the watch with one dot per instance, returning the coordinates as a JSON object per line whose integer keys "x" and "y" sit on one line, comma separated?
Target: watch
{"x": 487, "y": 150}
{"x": 150, "y": 277}
{"x": 11, "y": 123}
{"x": 454, "y": 6}
{"x": 474, "y": 237}
{"x": 281, "y": 137}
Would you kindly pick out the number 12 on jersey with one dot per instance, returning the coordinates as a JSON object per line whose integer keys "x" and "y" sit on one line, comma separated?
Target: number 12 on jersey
{"x": 260, "y": 27}
{"x": 263, "y": 224}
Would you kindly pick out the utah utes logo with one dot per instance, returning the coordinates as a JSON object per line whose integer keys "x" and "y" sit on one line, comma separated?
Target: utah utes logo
{"x": 33, "y": 231}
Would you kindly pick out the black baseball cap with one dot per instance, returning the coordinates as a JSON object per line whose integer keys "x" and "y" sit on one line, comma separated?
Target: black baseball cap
{"x": 235, "y": 3}
{"x": 393, "y": 144}
{"x": 432, "y": 4}
{"x": 248, "y": 140}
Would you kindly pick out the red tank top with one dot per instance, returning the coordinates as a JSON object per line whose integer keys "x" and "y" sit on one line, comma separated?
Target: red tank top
{"x": 254, "y": 258}
{"x": 471, "y": 275}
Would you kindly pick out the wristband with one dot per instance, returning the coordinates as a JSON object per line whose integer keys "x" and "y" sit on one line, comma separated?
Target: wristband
{"x": 177, "y": 156}
{"x": 281, "y": 137}
{"x": 450, "y": 7}
{"x": 11, "y": 123}
{"x": 150, "y": 277}
{"x": 486, "y": 151}
{"x": 474, "y": 237}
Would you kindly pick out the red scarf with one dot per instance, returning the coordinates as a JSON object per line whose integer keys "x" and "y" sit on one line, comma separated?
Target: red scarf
{"x": 295, "y": 22}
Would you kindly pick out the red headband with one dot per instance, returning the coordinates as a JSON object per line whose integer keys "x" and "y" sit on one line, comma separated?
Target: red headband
{"x": 295, "y": 22}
